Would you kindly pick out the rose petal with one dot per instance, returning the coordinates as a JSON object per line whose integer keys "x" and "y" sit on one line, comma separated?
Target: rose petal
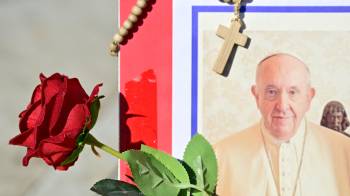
{"x": 64, "y": 167}
{"x": 67, "y": 138}
{"x": 55, "y": 150}
{"x": 56, "y": 106}
{"x": 30, "y": 153}
{"x": 54, "y": 154}
{"x": 75, "y": 91}
{"x": 36, "y": 96}
{"x": 52, "y": 85}
{"x": 54, "y": 91}
{"x": 72, "y": 128}
{"x": 26, "y": 139}
{"x": 31, "y": 117}
{"x": 74, "y": 94}
{"x": 77, "y": 118}
{"x": 42, "y": 77}
{"x": 94, "y": 92}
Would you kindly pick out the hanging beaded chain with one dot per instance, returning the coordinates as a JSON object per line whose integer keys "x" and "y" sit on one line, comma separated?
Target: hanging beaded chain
{"x": 127, "y": 25}
{"x": 237, "y": 6}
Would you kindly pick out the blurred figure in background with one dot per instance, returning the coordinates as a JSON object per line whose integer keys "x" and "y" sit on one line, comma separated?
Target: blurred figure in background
{"x": 334, "y": 117}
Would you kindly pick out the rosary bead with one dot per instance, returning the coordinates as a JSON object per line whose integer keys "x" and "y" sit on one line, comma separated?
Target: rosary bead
{"x": 112, "y": 47}
{"x": 123, "y": 31}
{"x": 127, "y": 24}
{"x": 132, "y": 18}
{"x": 141, "y": 3}
{"x": 118, "y": 38}
{"x": 113, "y": 52}
{"x": 136, "y": 10}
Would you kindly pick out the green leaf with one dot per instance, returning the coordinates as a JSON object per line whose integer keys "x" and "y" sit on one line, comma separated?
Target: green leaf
{"x": 190, "y": 172}
{"x": 94, "y": 110}
{"x": 200, "y": 156}
{"x": 151, "y": 176}
{"x": 172, "y": 164}
{"x": 110, "y": 187}
{"x": 184, "y": 192}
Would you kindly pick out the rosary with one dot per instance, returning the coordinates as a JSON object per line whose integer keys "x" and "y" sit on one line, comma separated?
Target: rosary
{"x": 232, "y": 37}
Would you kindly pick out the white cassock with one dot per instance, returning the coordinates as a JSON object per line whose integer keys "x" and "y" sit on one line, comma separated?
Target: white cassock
{"x": 248, "y": 167}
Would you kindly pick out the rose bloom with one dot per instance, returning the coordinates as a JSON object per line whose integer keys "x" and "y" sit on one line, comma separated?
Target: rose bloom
{"x": 50, "y": 125}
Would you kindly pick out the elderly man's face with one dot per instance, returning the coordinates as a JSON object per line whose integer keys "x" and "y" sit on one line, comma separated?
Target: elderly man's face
{"x": 283, "y": 94}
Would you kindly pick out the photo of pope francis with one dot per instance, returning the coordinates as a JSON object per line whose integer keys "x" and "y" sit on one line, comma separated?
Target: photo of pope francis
{"x": 283, "y": 154}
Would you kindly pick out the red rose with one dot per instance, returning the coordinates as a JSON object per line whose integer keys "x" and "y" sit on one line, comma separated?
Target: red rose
{"x": 56, "y": 115}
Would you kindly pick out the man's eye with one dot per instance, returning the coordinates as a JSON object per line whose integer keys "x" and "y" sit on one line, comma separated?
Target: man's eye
{"x": 293, "y": 92}
{"x": 271, "y": 92}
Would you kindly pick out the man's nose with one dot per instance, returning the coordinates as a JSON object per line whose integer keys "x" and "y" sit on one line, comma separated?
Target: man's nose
{"x": 337, "y": 121}
{"x": 282, "y": 102}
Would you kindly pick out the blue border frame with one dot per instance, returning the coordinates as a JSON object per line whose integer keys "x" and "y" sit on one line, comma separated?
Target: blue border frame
{"x": 257, "y": 9}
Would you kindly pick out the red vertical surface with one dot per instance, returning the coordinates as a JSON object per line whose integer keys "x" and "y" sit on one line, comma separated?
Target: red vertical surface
{"x": 146, "y": 74}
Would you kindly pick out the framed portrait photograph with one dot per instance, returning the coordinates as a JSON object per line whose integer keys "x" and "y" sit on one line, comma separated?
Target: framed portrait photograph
{"x": 317, "y": 35}
{"x": 278, "y": 92}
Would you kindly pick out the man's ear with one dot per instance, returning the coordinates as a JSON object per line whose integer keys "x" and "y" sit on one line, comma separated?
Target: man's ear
{"x": 254, "y": 91}
{"x": 312, "y": 93}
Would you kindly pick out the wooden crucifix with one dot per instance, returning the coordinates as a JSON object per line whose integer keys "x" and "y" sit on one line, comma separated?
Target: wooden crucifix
{"x": 232, "y": 37}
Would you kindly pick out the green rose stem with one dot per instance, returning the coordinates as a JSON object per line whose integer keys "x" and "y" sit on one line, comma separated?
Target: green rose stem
{"x": 91, "y": 140}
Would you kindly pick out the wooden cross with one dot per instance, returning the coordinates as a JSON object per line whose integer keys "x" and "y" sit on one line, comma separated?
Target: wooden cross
{"x": 232, "y": 37}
